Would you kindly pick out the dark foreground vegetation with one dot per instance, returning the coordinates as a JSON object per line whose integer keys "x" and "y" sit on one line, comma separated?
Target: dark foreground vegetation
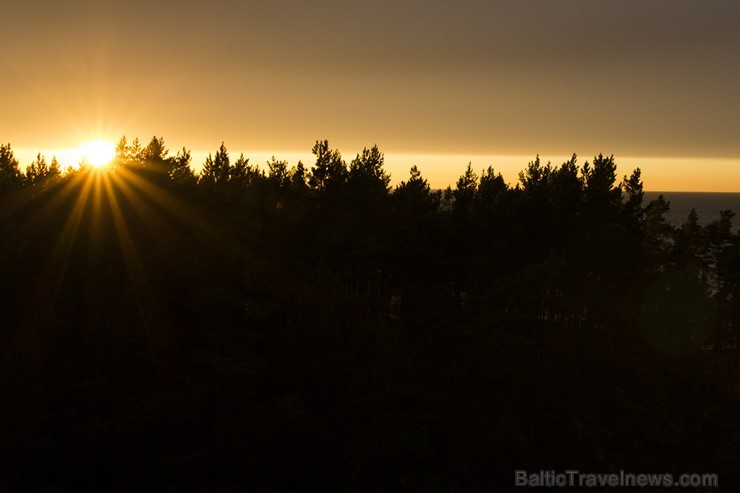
{"x": 290, "y": 329}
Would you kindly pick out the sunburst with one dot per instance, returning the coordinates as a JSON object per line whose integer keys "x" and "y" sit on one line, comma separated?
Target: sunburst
{"x": 97, "y": 153}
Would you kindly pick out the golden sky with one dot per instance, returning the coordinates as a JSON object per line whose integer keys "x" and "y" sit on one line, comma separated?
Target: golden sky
{"x": 433, "y": 83}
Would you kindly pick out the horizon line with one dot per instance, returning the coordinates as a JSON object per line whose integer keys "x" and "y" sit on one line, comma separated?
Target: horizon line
{"x": 674, "y": 174}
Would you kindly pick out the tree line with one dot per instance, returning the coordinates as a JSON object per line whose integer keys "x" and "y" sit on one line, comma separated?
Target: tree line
{"x": 271, "y": 325}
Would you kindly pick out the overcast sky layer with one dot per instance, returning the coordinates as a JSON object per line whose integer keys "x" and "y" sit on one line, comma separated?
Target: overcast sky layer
{"x": 640, "y": 79}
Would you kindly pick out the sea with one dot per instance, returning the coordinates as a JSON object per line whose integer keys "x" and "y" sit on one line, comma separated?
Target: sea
{"x": 707, "y": 206}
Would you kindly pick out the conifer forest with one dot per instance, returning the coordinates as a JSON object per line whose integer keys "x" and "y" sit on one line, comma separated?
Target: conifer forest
{"x": 277, "y": 327}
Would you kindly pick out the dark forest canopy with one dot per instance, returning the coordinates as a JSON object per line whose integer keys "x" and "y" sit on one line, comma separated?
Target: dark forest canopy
{"x": 277, "y": 326}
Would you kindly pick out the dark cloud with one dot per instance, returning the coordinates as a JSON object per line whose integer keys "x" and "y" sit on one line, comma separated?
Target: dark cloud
{"x": 644, "y": 77}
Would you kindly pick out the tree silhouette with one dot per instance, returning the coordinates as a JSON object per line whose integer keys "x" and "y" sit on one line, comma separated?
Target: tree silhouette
{"x": 490, "y": 186}
{"x": 278, "y": 174}
{"x": 39, "y": 173}
{"x": 464, "y": 193}
{"x": 567, "y": 196}
{"x": 10, "y": 175}
{"x": 216, "y": 170}
{"x": 298, "y": 179}
{"x": 264, "y": 328}
{"x": 602, "y": 196}
{"x": 657, "y": 230}
{"x": 155, "y": 153}
{"x": 414, "y": 196}
{"x": 632, "y": 207}
{"x": 366, "y": 173}
{"x": 535, "y": 177}
{"x": 329, "y": 173}
{"x": 180, "y": 171}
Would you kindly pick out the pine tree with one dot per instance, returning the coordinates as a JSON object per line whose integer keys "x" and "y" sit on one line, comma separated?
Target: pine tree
{"x": 566, "y": 188}
{"x": 278, "y": 174}
{"x": 464, "y": 192}
{"x": 657, "y": 230}
{"x": 632, "y": 210}
{"x": 366, "y": 172}
{"x": 298, "y": 178}
{"x": 415, "y": 194}
{"x": 155, "y": 151}
{"x": 329, "y": 174}
{"x": 603, "y": 197}
{"x": 39, "y": 173}
{"x": 535, "y": 177}
{"x": 180, "y": 172}
{"x": 490, "y": 186}
{"x": 216, "y": 170}
{"x": 10, "y": 174}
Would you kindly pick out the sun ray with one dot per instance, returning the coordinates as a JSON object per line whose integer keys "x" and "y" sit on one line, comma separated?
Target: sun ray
{"x": 135, "y": 270}
{"x": 42, "y": 300}
{"x": 176, "y": 208}
{"x": 137, "y": 198}
{"x": 60, "y": 193}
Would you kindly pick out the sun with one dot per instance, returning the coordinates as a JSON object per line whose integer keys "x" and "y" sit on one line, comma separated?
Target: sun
{"x": 97, "y": 152}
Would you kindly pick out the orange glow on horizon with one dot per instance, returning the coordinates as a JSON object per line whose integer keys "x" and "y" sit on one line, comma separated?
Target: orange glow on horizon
{"x": 689, "y": 174}
{"x": 94, "y": 152}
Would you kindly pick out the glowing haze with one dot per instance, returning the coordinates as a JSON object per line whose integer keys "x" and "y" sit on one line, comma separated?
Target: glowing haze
{"x": 433, "y": 83}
